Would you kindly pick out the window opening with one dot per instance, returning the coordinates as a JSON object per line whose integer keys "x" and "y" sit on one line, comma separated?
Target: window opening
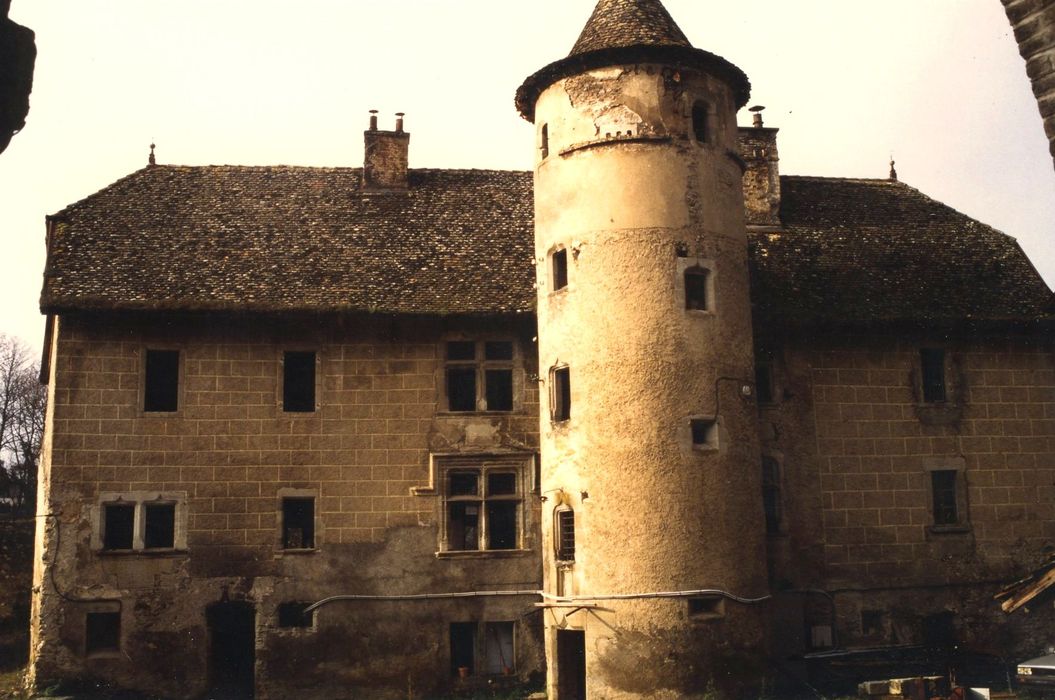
{"x": 696, "y": 288}
{"x": 298, "y": 381}
{"x": 463, "y": 648}
{"x": 118, "y": 525}
{"x": 932, "y": 362}
{"x": 764, "y": 379}
{"x": 487, "y": 520}
{"x": 871, "y": 623}
{"x": 706, "y": 606}
{"x": 479, "y": 376}
{"x": 561, "y": 394}
{"x": 498, "y": 648}
{"x": 565, "y": 533}
{"x": 560, "y": 269}
{"x": 298, "y": 523}
{"x": 704, "y": 433}
{"x": 943, "y": 487}
{"x": 161, "y": 381}
{"x": 159, "y": 528}
{"x": 699, "y": 121}
{"x": 771, "y": 496}
{"x": 291, "y": 614}
{"x": 545, "y": 141}
{"x": 102, "y": 632}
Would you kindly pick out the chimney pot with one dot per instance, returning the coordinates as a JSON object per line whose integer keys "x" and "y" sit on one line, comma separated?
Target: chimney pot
{"x": 373, "y": 120}
{"x": 399, "y": 122}
{"x": 757, "y": 120}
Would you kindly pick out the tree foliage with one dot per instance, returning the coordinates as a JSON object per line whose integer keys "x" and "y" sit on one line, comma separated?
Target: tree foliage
{"x": 23, "y": 400}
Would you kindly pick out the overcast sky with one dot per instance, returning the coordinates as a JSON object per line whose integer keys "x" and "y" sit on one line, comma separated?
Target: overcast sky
{"x": 937, "y": 83}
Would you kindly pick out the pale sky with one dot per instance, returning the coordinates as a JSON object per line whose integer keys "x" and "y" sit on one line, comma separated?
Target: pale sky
{"x": 937, "y": 83}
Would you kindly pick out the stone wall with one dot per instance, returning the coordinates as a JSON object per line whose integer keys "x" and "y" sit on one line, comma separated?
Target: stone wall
{"x": 1034, "y": 25}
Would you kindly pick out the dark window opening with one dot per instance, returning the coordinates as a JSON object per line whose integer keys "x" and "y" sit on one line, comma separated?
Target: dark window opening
{"x": 463, "y": 648}
{"x": 463, "y": 529}
{"x": 565, "y": 534}
{"x": 498, "y": 350}
{"x": 298, "y": 382}
{"x": 696, "y": 288}
{"x": 560, "y": 269}
{"x": 298, "y": 523}
{"x": 474, "y": 384}
{"x": 771, "y": 497}
{"x": 161, "y": 379}
{"x": 932, "y": 362}
{"x": 501, "y": 484}
{"x": 764, "y": 379}
{"x": 461, "y": 388}
{"x": 871, "y": 623}
{"x": 461, "y": 350}
{"x": 561, "y": 394}
{"x": 464, "y": 484}
{"x": 499, "y": 386}
{"x": 706, "y": 606}
{"x": 502, "y": 524}
{"x": 102, "y": 632}
{"x": 499, "y": 656}
{"x": 292, "y": 614}
{"x": 939, "y": 629}
{"x": 943, "y": 486}
{"x": 159, "y": 528}
{"x": 118, "y": 525}
{"x": 699, "y": 121}
{"x": 231, "y": 642}
{"x": 704, "y": 433}
{"x": 545, "y": 141}
{"x": 482, "y": 521}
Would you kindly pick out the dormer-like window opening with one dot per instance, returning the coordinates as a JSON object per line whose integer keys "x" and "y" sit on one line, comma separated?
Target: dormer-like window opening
{"x": 699, "y": 121}
{"x": 696, "y": 288}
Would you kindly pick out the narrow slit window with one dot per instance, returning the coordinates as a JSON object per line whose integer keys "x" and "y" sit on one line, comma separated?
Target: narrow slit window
{"x": 764, "y": 379}
{"x": 159, "y": 527}
{"x": 560, "y": 269}
{"x": 699, "y": 121}
{"x": 565, "y": 534}
{"x": 463, "y": 648}
{"x": 291, "y": 614}
{"x": 696, "y": 288}
{"x": 944, "y": 491}
{"x": 298, "y": 381}
{"x": 298, "y": 523}
{"x": 771, "y": 495}
{"x": 102, "y": 632}
{"x": 932, "y": 363}
{"x": 545, "y": 141}
{"x": 704, "y": 433}
{"x": 161, "y": 381}
{"x": 561, "y": 394}
{"x": 118, "y": 525}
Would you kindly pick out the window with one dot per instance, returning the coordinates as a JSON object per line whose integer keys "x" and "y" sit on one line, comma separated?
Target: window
{"x": 140, "y": 521}
{"x": 872, "y": 623}
{"x": 118, "y": 525}
{"x": 298, "y": 523}
{"x": 291, "y": 614}
{"x": 932, "y": 366}
{"x": 159, "y": 528}
{"x": 945, "y": 495}
{"x": 560, "y": 269}
{"x": 564, "y": 533}
{"x": 545, "y": 141}
{"x": 483, "y": 508}
{"x": 298, "y": 381}
{"x": 161, "y": 381}
{"x": 560, "y": 394}
{"x": 704, "y": 433}
{"x": 699, "y": 121}
{"x": 102, "y": 632}
{"x": 491, "y": 642}
{"x": 771, "y": 497}
{"x": 479, "y": 375}
{"x": 764, "y": 378}
{"x": 696, "y": 288}
{"x": 706, "y": 607}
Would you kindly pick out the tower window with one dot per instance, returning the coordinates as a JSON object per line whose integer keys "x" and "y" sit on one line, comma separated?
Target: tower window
{"x": 699, "y": 121}
{"x": 298, "y": 523}
{"x": 704, "y": 433}
{"x": 298, "y": 381}
{"x": 161, "y": 381}
{"x": 560, "y": 394}
{"x": 560, "y": 269}
{"x": 545, "y": 141}
{"x": 932, "y": 365}
{"x": 696, "y": 288}
{"x": 771, "y": 496}
{"x": 564, "y": 533}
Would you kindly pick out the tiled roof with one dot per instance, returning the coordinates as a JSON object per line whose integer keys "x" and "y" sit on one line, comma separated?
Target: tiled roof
{"x": 288, "y": 238}
{"x": 460, "y": 242}
{"x": 622, "y": 23}
{"x": 864, "y": 251}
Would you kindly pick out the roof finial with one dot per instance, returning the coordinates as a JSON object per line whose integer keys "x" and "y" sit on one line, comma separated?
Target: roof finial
{"x": 152, "y": 160}
{"x": 893, "y": 173}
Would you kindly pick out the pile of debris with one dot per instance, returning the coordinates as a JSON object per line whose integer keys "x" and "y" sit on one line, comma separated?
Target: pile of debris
{"x": 1017, "y": 594}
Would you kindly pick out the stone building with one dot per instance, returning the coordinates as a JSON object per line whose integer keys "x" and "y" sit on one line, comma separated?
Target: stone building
{"x": 707, "y": 418}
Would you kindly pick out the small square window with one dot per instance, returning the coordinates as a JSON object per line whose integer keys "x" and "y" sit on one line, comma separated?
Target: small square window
{"x": 704, "y": 433}
{"x": 161, "y": 381}
{"x": 706, "y": 607}
{"x": 291, "y": 614}
{"x": 932, "y": 365}
{"x": 298, "y": 382}
{"x": 560, "y": 395}
{"x": 560, "y": 269}
{"x": 696, "y": 288}
{"x": 102, "y": 632}
{"x": 871, "y": 623}
{"x": 298, "y": 523}
{"x": 159, "y": 528}
{"x": 118, "y": 525}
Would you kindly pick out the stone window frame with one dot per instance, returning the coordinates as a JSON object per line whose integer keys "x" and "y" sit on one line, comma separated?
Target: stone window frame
{"x": 281, "y": 380}
{"x": 317, "y": 529}
{"x": 140, "y": 499}
{"x": 525, "y": 464}
{"x": 482, "y": 365}
{"x": 106, "y": 607}
{"x": 948, "y": 464}
{"x": 684, "y": 264}
{"x": 181, "y": 379}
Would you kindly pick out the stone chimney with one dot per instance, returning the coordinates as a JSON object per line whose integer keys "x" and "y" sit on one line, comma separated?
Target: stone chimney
{"x": 758, "y": 148}
{"x": 385, "y": 160}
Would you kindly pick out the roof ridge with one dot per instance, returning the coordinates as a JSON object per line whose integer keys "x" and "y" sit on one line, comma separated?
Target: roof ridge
{"x": 623, "y": 23}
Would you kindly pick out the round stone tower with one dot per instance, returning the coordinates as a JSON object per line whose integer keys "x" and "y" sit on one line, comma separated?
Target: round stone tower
{"x": 651, "y": 477}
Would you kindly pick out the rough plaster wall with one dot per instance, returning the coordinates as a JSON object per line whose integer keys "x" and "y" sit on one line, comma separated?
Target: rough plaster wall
{"x": 1034, "y": 25}
{"x": 624, "y": 189}
{"x": 231, "y": 449}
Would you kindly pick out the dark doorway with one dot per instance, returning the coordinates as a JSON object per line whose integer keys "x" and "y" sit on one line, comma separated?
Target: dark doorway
{"x": 232, "y": 638}
{"x": 571, "y": 665}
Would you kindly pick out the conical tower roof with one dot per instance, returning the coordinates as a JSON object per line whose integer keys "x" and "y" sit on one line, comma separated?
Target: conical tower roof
{"x": 630, "y": 31}
{"x": 621, "y": 23}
